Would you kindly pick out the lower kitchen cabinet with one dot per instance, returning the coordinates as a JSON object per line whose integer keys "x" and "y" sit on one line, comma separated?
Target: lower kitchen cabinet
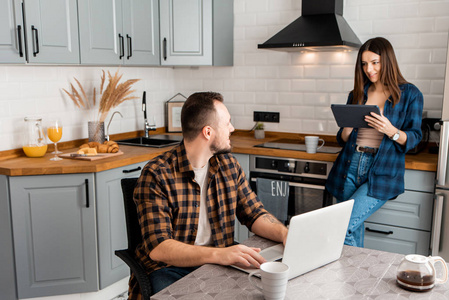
{"x": 241, "y": 232}
{"x": 65, "y": 229}
{"x": 396, "y": 239}
{"x": 404, "y": 225}
{"x": 111, "y": 224}
{"x": 53, "y": 225}
{"x": 7, "y": 269}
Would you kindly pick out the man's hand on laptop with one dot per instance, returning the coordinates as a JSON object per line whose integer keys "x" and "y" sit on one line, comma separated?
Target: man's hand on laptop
{"x": 241, "y": 256}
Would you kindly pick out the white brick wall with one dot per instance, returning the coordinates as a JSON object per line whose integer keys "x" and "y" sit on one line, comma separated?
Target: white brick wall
{"x": 301, "y": 86}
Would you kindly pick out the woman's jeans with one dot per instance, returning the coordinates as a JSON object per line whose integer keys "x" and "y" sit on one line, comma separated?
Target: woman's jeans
{"x": 356, "y": 187}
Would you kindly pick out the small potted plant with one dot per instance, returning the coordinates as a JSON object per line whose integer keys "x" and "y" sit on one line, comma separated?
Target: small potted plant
{"x": 259, "y": 132}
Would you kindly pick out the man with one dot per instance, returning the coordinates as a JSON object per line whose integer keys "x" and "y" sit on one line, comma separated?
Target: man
{"x": 187, "y": 200}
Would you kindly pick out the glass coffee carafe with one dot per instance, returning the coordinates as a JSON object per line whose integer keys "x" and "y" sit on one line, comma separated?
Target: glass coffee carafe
{"x": 34, "y": 141}
{"x": 417, "y": 272}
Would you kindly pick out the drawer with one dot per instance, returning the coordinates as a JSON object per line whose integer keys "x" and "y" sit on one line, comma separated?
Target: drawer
{"x": 397, "y": 240}
{"x": 133, "y": 170}
{"x": 423, "y": 181}
{"x": 410, "y": 210}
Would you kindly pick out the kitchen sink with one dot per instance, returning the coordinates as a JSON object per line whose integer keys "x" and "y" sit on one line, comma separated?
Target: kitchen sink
{"x": 154, "y": 141}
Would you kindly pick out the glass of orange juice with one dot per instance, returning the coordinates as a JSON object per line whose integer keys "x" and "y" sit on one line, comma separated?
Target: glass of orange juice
{"x": 54, "y": 133}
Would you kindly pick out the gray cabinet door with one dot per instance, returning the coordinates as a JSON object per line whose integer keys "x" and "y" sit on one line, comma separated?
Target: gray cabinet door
{"x": 52, "y": 31}
{"x": 11, "y": 32}
{"x": 101, "y": 36}
{"x": 141, "y": 31}
{"x": 410, "y": 210}
{"x": 111, "y": 222}
{"x": 241, "y": 232}
{"x": 403, "y": 225}
{"x": 396, "y": 239}
{"x": 53, "y": 218}
{"x": 7, "y": 270}
{"x": 186, "y": 32}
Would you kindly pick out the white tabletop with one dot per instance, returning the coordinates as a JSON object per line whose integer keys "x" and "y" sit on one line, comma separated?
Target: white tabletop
{"x": 359, "y": 274}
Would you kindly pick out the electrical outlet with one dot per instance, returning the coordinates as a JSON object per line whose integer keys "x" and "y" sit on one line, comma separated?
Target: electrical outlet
{"x": 433, "y": 123}
{"x": 266, "y": 116}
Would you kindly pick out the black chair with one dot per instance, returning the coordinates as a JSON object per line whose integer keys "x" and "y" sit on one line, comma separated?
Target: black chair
{"x": 134, "y": 238}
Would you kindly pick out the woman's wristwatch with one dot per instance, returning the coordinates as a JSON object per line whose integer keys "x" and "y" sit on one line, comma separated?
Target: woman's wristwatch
{"x": 395, "y": 136}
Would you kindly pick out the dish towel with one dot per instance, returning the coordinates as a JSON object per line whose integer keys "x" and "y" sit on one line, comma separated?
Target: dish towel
{"x": 274, "y": 196}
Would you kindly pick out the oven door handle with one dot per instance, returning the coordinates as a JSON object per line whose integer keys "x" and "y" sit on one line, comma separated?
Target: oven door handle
{"x": 310, "y": 186}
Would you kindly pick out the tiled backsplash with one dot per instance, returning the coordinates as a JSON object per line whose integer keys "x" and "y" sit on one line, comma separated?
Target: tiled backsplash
{"x": 301, "y": 86}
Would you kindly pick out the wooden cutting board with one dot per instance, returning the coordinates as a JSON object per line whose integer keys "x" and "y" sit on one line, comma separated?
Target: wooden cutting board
{"x": 90, "y": 158}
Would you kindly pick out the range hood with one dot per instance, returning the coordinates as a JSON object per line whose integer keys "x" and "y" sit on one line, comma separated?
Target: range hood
{"x": 320, "y": 28}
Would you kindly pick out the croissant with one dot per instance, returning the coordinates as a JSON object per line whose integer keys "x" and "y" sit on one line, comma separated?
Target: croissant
{"x": 102, "y": 148}
{"x": 112, "y": 146}
{"x": 113, "y": 149}
{"x": 106, "y": 147}
{"x": 110, "y": 143}
{"x": 93, "y": 144}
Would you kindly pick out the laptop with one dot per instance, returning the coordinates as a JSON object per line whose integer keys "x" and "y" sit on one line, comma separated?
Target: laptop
{"x": 314, "y": 239}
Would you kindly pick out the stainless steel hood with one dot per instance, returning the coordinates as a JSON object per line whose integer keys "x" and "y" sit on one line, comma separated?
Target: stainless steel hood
{"x": 320, "y": 28}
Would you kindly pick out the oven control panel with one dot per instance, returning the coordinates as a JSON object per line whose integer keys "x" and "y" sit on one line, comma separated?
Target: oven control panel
{"x": 294, "y": 166}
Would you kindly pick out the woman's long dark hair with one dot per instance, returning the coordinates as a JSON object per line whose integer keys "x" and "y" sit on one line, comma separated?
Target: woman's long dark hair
{"x": 390, "y": 75}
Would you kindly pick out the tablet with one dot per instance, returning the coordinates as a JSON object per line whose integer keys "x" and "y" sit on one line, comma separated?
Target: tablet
{"x": 353, "y": 115}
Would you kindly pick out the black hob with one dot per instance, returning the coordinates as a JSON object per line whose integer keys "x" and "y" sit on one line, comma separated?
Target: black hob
{"x": 290, "y": 144}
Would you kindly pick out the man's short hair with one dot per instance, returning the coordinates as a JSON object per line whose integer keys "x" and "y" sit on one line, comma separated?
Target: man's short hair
{"x": 198, "y": 111}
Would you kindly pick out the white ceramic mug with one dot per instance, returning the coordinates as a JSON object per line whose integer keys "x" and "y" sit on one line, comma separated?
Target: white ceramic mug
{"x": 312, "y": 143}
{"x": 274, "y": 280}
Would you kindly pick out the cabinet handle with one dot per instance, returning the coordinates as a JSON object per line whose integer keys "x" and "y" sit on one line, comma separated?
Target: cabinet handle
{"x": 86, "y": 183}
{"x": 130, "y": 46}
{"x": 379, "y": 231}
{"x": 132, "y": 170}
{"x": 122, "y": 46}
{"x": 165, "y": 48}
{"x": 439, "y": 199}
{"x": 35, "y": 40}
{"x": 19, "y": 34}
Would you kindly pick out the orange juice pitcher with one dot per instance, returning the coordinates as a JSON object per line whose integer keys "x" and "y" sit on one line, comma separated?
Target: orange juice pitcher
{"x": 34, "y": 141}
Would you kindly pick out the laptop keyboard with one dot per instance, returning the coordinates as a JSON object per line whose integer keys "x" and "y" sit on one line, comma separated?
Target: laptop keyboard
{"x": 273, "y": 253}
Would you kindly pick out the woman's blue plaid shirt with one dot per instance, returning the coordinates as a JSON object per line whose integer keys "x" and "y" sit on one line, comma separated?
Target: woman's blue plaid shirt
{"x": 386, "y": 177}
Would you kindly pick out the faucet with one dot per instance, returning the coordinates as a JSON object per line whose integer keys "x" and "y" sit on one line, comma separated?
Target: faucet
{"x": 110, "y": 120}
{"x": 146, "y": 126}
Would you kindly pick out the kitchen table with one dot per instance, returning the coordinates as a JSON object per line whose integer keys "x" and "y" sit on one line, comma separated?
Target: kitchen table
{"x": 359, "y": 274}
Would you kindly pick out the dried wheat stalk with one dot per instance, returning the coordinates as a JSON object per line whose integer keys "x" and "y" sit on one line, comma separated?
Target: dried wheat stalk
{"x": 114, "y": 94}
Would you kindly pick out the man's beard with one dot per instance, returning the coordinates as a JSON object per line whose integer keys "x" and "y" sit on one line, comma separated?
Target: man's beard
{"x": 223, "y": 151}
{"x": 216, "y": 150}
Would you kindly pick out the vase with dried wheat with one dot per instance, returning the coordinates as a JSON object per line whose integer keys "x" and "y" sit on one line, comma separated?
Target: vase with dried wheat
{"x": 114, "y": 94}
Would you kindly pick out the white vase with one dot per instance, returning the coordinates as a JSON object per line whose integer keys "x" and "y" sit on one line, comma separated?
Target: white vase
{"x": 259, "y": 134}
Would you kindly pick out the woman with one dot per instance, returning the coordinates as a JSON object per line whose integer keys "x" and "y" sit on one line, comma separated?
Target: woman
{"x": 370, "y": 168}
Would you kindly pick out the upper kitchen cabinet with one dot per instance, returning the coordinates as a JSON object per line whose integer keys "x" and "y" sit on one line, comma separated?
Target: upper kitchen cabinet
{"x": 11, "y": 33}
{"x": 196, "y": 32}
{"x": 119, "y": 32}
{"x": 50, "y": 34}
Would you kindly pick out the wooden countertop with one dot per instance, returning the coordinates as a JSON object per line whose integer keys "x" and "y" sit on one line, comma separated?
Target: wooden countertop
{"x": 244, "y": 143}
{"x": 12, "y": 162}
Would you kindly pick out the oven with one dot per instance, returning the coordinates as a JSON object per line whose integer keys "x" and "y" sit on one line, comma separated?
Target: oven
{"x": 306, "y": 178}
